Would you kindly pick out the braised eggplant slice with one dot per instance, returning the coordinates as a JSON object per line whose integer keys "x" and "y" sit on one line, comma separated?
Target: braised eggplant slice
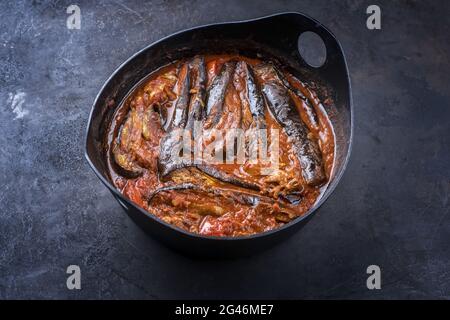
{"x": 171, "y": 155}
{"x": 208, "y": 182}
{"x": 308, "y": 106}
{"x": 125, "y": 165}
{"x": 198, "y": 91}
{"x": 171, "y": 145}
{"x": 183, "y": 186}
{"x": 281, "y": 105}
{"x": 216, "y": 94}
{"x": 255, "y": 98}
{"x": 181, "y": 108}
{"x": 216, "y": 201}
{"x": 127, "y": 139}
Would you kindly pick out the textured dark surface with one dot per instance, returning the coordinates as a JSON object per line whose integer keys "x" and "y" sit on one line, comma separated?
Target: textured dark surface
{"x": 390, "y": 209}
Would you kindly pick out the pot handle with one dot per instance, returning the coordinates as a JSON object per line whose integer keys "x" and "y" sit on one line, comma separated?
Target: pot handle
{"x": 335, "y": 59}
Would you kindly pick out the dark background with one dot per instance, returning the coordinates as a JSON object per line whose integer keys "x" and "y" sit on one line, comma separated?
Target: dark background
{"x": 390, "y": 209}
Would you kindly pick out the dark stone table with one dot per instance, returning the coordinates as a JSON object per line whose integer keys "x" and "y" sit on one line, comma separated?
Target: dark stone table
{"x": 391, "y": 208}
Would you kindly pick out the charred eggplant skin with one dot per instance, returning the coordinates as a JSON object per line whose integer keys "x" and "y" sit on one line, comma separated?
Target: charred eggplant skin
{"x": 216, "y": 93}
{"x": 124, "y": 165}
{"x": 283, "y": 108}
{"x": 221, "y": 176}
{"x": 255, "y": 99}
{"x": 310, "y": 109}
{"x": 198, "y": 91}
{"x": 180, "y": 113}
{"x": 123, "y": 160}
{"x": 184, "y": 186}
{"x": 172, "y": 140}
{"x": 168, "y": 160}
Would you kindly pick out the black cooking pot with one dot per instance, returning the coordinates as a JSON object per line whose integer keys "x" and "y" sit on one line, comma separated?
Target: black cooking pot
{"x": 274, "y": 37}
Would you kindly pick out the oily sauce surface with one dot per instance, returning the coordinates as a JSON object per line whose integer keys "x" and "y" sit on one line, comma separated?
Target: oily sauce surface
{"x": 221, "y": 199}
